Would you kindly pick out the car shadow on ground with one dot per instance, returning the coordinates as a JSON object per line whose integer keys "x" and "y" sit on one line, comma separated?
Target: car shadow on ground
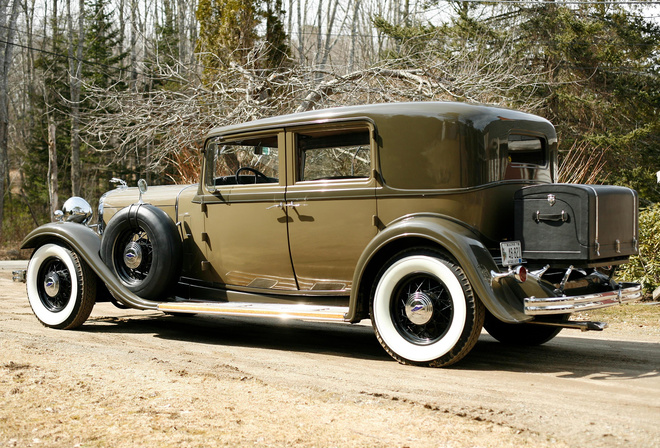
{"x": 568, "y": 357}
{"x": 564, "y": 356}
{"x": 345, "y": 340}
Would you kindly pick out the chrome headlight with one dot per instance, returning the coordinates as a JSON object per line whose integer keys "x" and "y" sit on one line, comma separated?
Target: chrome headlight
{"x": 78, "y": 210}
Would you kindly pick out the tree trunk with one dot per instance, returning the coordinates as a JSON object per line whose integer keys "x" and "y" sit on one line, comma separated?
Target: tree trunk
{"x": 75, "y": 68}
{"x": 301, "y": 47}
{"x": 7, "y": 33}
{"x": 133, "y": 44}
{"x": 53, "y": 186}
{"x": 319, "y": 23}
{"x": 354, "y": 26}
{"x": 181, "y": 28}
{"x": 191, "y": 35}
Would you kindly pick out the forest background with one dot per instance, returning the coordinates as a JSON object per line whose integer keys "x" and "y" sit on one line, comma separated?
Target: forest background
{"x": 96, "y": 89}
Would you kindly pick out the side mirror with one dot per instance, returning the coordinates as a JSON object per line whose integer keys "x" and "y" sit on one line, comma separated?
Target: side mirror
{"x": 142, "y": 187}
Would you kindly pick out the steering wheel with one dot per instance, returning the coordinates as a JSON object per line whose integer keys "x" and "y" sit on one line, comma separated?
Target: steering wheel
{"x": 256, "y": 172}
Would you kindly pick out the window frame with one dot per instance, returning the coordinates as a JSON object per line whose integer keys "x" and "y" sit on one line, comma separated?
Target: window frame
{"x": 544, "y": 150}
{"x": 352, "y": 125}
{"x": 210, "y": 158}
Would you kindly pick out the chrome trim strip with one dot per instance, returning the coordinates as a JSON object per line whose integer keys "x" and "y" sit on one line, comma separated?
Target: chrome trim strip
{"x": 288, "y": 311}
{"x": 429, "y": 192}
{"x": 176, "y": 202}
{"x": 552, "y": 251}
{"x": 597, "y": 244}
{"x": 635, "y": 217}
{"x": 569, "y": 304}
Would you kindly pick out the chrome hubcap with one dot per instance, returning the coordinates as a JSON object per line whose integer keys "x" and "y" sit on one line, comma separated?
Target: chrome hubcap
{"x": 419, "y": 308}
{"x": 52, "y": 284}
{"x": 133, "y": 255}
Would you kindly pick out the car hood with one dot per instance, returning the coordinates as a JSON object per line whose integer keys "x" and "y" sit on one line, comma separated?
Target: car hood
{"x": 160, "y": 196}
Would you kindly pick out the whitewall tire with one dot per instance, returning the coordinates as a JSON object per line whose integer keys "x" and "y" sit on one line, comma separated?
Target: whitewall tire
{"x": 423, "y": 309}
{"x": 61, "y": 288}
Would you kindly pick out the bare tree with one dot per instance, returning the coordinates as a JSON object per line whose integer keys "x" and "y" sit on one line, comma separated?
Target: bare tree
{"x": 174, "y": 122}
{"x": 75, "y": 73}
{"x": 49, "y": 99}
{"x": 7, "y": 34}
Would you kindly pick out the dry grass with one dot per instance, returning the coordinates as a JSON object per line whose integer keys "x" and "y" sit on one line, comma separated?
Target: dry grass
{"x": 582, "y": 164}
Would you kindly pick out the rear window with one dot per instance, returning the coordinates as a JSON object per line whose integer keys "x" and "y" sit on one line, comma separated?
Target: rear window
{"x": 331, "y": 154}
{"x": 526, "y": 150}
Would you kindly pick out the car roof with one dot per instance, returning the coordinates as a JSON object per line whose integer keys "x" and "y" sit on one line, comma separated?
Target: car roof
{"x": 479, "y": 116}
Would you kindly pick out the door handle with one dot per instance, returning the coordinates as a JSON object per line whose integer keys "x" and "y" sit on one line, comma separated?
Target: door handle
{"x": 288, "y": 204}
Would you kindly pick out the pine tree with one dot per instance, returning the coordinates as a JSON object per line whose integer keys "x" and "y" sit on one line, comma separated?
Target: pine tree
{"x": 277, "y": 48}
{"x": 102, "y": 48}
{"x": 227, "y": 32}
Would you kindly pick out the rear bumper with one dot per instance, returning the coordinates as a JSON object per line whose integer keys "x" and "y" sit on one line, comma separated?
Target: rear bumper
{"x": 570, "y": 304}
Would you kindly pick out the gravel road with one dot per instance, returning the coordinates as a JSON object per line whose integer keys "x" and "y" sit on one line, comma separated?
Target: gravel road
{"x": 131, "y": 378}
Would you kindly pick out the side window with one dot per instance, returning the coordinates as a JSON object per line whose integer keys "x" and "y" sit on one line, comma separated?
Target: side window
{"x": 247, "y": 161}
{"x": 333, "y": 154}
{"x": 526, "y": 150}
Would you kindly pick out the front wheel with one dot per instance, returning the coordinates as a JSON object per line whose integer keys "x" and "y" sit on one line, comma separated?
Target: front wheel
{"x": 423, "y": 309}
{"x": 61, "y": 288}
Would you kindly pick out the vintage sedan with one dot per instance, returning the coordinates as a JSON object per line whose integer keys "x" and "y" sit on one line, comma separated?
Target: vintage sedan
{"x": 433, "y": 220}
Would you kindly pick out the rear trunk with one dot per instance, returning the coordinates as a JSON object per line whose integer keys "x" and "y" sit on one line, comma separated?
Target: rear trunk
{"x": 580, "y": 225}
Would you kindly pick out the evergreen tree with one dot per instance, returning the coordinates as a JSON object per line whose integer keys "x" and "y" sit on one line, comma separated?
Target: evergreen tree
{"x": 227, "y": 32}
{"x": 277, "y": 47}
{"x": 102, "y": 48}
{"x": 602, "y": 86}
{"x": 597, "y": 65}
{"x": 48, "y": 107}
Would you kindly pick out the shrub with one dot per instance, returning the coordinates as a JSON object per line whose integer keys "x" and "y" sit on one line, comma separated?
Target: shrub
{"x": 645, "y": 267}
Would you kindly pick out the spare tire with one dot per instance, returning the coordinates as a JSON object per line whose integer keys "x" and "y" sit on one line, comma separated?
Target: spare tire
{"x": 141, "y": 245}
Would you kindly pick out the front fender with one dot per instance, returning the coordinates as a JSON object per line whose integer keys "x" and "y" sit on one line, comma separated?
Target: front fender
{"x": 504, "y": 300}
{"x": 86, "y": 243}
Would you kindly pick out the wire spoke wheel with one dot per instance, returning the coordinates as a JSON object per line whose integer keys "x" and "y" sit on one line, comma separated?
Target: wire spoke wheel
{"x": 142, "y": 246}
{"x": 133, "y": 256}
{"x": 61, "y": 287}
{"x": 423, "y": 309}
{"x": 54, "y": 284}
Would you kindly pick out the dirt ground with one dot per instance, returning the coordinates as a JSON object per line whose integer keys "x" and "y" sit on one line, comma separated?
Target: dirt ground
{"x": 129, "y": 378}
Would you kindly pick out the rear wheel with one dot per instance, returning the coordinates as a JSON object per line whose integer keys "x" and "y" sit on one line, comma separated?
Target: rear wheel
{"x": 523, "y": 334}
{"x": 423, "y": 309}
{"x": 61, "y": 288}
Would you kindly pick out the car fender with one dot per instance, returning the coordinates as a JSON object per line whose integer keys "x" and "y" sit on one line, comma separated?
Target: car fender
{"x": 86, "y": 243}
{"x": 503, "y": 299}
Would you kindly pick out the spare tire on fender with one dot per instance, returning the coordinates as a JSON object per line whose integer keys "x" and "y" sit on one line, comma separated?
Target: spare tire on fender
{"x": 142, "y": 246}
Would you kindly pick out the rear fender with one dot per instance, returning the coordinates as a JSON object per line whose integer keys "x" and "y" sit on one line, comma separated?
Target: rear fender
{"x": 86, "y": 243}
{"x": 504, "y": 300}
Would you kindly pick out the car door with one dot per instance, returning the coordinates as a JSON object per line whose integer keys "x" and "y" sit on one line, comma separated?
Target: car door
{"x": 245, "y": 225}
{"x": 331, "y": 202}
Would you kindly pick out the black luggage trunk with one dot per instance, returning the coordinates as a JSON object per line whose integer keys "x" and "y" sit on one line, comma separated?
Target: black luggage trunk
{"x": 582, "y": 225}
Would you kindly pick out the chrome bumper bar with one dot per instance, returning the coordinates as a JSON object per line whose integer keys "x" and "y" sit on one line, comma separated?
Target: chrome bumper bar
{"x": 19, "y": 276}
{"x": 570, "y": 304}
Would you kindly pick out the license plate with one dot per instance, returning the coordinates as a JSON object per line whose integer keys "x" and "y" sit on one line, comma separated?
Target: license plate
{"x": 511, "y": 253}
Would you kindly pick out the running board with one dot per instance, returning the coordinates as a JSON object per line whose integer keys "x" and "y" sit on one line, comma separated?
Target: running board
{"x": 283, "y": 311}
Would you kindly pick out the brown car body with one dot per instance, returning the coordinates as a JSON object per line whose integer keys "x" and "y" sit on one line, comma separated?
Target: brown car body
{"x": 303, "y": 215}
